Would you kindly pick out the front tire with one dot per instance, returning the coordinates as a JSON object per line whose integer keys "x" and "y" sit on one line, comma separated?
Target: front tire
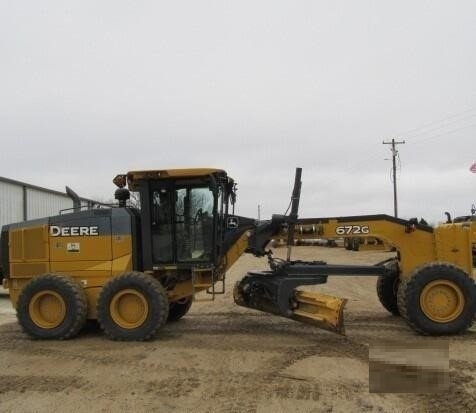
{"x": 387, "y": 289}
{"x": 438, "y": 299}
{"x": 52, "y": 307}
{"x": 132, "y": 306}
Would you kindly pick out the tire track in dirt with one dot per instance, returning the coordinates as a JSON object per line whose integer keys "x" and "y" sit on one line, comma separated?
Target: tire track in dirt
{"x": 314, "y": 388}
{"x": 82, "y": 356}
{"x": 175, "y": 387}
{"x": 41, "y": 383}
{"x": 236, "y": 392}
{"x": 272, "y": 381}
{"x": 232, "y": 392}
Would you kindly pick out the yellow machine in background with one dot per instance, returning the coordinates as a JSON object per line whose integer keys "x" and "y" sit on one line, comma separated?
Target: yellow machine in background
{"x": 365, "y": 244}
{"x": 135, "y": 268}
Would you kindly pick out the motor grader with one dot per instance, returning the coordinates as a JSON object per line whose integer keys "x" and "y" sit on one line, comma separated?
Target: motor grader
{"x": 134, "y": 268}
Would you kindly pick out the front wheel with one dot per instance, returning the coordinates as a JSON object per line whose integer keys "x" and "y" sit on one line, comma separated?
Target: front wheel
{"x": 438, "y": 299}
{"x": 132, "y": 306}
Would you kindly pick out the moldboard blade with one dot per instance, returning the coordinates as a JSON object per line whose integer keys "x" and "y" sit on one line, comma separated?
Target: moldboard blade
{"x": 321, "y": 310}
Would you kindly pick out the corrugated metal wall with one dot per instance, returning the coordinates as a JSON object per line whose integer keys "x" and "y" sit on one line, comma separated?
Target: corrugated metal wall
{"x": 11, "y": 203}
{"x": 20, "y": 201}
{"x": 40, "y": 204}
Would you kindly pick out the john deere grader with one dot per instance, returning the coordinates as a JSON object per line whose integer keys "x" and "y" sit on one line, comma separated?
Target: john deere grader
{"x": 134, "y": 268}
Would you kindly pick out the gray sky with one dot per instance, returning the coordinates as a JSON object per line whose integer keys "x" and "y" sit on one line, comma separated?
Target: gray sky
{"x": 89, "y": 89}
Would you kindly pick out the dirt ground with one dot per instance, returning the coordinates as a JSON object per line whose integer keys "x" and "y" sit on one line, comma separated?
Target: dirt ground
{"x": 224, "y": 358}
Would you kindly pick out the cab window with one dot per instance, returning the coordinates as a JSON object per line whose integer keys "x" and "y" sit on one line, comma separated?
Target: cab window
{"x": 194, "y": 224}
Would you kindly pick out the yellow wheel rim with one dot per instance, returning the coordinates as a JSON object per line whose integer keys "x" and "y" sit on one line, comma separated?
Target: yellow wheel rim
{"x": 47, "y": 309}
{"x": 442, "y": 301}
{"x": 129, "y": 308}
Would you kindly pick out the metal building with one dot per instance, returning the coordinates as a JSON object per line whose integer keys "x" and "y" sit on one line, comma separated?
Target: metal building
{"x": 20, "y": 201}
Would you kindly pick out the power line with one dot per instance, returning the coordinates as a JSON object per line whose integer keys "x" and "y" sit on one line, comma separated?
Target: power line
{"x": 423, "y": 133}
{"x": 393, "y": 142}
{"x": 448, "y": 119}
{"x": 441, "y": 134}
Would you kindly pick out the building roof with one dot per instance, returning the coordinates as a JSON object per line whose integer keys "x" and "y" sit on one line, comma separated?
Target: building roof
{"x": 42, "y": 189}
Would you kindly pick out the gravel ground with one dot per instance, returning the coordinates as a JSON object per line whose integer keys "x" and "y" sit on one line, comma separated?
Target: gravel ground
{"x": 224, "y": 358}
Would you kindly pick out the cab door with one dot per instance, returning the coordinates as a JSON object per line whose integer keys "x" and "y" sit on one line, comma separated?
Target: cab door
{"x": 182, "y": 224}
{"x": 194, "y": 224}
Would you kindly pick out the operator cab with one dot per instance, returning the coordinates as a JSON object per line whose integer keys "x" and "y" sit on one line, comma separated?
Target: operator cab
{"x": 183, "y": 215}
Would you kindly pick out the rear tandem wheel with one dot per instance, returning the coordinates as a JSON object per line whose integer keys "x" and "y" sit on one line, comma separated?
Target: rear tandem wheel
{"x": 438, "y": 299}
{"x": 52, "y": 307}
{"x": 132, "y": 306}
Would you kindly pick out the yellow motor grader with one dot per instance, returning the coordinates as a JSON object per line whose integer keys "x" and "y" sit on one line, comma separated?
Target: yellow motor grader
{"x": 134, "y": 268}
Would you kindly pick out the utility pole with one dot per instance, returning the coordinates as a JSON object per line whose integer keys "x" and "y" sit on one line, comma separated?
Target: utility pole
{"x": 394, "y": 155}
{"x": 259, "y": 212}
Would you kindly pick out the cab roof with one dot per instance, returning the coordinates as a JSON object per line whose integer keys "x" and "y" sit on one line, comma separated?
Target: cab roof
{"x": 134, "y": 177}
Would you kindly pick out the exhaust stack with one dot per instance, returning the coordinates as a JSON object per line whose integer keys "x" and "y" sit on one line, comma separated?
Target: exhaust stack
{"x": 75, "y": 197}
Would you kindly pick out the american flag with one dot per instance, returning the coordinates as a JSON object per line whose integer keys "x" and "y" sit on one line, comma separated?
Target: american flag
{"x": 472, "y": 168}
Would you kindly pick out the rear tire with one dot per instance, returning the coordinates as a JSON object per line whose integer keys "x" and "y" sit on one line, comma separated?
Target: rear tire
{"x": 52, "y": 307}
{"x": 438, "y": 299}
{"x": 387, "y": 289}
{"x": 179, "y": 308}
{"x": 132, "y": 306}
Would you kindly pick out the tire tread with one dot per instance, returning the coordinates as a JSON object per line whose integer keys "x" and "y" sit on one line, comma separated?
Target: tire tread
{"x": 410, "y": 286}
{"x": 151, "y": 284}
{"x": 79, "y": 300}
